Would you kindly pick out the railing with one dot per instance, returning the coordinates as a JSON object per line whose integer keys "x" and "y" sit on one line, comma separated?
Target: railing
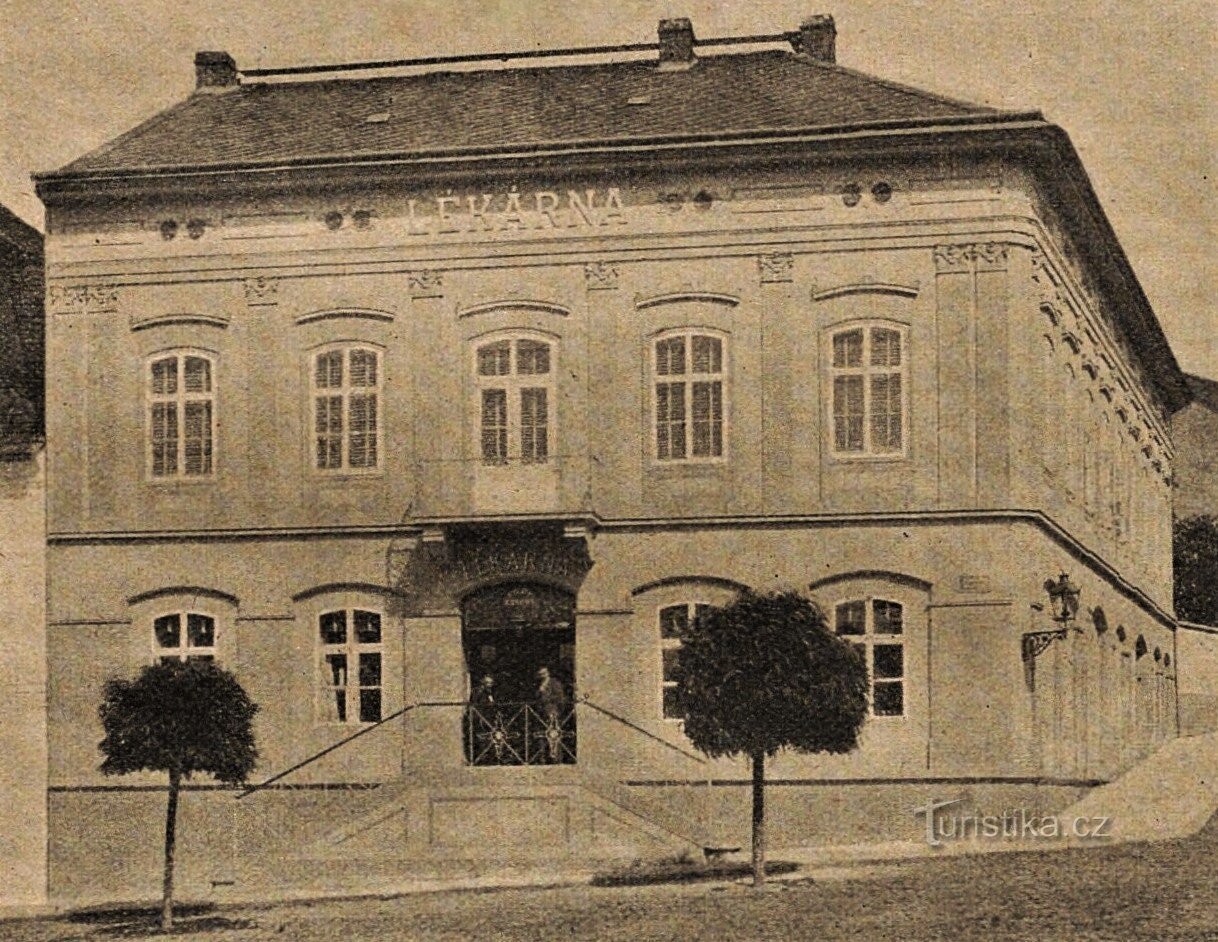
{"x": 519, "y": 734}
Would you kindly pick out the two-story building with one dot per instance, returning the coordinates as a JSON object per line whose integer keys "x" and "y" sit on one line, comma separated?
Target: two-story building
{"x": 372, "y": 387}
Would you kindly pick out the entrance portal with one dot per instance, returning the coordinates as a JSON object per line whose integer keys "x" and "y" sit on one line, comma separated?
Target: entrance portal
{"x": 519, "y": 641}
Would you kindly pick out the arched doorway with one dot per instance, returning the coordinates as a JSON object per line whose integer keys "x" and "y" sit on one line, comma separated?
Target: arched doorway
{"x": 519, "y": 644}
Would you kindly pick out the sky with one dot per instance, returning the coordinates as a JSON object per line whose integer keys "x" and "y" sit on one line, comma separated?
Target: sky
{"x": 1134, "y": 83}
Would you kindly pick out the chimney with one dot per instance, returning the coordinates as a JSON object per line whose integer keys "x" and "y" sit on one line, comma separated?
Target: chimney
{"x": 215, "y": 71}
{"x": 676, "y": 44}
{"x": 818, "y": 38}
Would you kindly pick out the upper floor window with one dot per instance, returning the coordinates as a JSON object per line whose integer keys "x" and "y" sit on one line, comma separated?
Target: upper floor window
{"x": 674, "y": 622}
{"x": 349, "y": 666}
{"x": 688, "y": 375}
{"x": 515, "y": 395}
{"x": 346, "y": 409}
{"x": 181, "y": 415}
{"x": 184, "y": 636}
{"x": 869, "y": 391}
{"x": 876, "y": 628}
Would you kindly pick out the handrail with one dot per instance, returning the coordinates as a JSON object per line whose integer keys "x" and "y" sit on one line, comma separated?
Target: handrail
{"x": 625, "y": 722}
{"x": 330, "y": 748}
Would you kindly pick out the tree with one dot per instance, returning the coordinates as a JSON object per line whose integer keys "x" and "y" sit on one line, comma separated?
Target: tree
{"x": 178, "y": 717}
{"x": 763, "y": 674}
{"x": 1195, "y": 558}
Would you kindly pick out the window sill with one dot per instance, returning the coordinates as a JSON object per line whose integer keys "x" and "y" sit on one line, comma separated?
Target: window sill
{"x": 183, "y": 482}
{"x": 347, "y": 475}
{"x": 862, "y": 458}
{"x": 717, "y": 467}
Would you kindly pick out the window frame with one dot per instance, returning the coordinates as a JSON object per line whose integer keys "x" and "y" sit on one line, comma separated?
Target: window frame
{"x": 344, "y": 391}
{"x": 180, "y": 398}
{"x": 867, "y": 371}
{"x": 514, "y": 385}
{"x": 352, "y": 649}
{"x": 181, "y": 651}
{"x": 869, "y": 639}
{"x": 688, "y": 379}
{"x": 691, "y": 607}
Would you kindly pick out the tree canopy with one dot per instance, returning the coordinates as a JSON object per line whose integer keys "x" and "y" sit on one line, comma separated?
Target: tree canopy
{"x": 766, "y": 673}
{"x": 1195, "y": 558}
{"x": 183, "y": 717}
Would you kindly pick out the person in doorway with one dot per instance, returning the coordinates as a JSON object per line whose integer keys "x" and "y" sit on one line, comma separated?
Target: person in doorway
{"x": 552, "y": 705}
{"x": 483, "y": 737}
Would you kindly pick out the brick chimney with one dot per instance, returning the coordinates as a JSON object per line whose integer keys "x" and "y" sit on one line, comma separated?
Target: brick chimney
{"x": 676, "y": 43}
{"x": 215, "y": 71}
{"x": 818, "y": 38}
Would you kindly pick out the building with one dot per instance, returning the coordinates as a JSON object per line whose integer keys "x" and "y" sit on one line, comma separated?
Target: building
{"x": 372, "y": 387}
{"x": 22, "y": 565}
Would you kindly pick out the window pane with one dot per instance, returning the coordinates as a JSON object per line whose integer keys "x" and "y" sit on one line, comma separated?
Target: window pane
{"x": 334, "y": 705}
{"x": 495, "y": 359}
{"x": 334, "y": 673}
{"x": 328, "y": 423}
{"x": 707, "y": 409}
{"x": 369, "y": 706}
{"x": 888, "y": 699}
{"x": 670, "y": 356}
{"x": 700, "y": 610}
{"x": 674, "y": 620}
{"x": 885, "y": 347}
{"x": 848, "y": 413}
{"x": 494, "y": 426}
{"x": 333, "y": 628}
{"x": 848, "y": 348}
{"x": 851, "y": 618}
{"x": 197, "y": 441}
{"x": 362, "y": 447}
{"x": 168, "y": 631}
{"x": 198, "y": 375}
{"x": 363, "y": 368}
{"x": 165, "y": 377}
{"x": 534, "y": 429}
{"x": 887, "y": 617}
{"x": 367, "y": 627}
{"x": 886, "y": 412}
{"x": 164, "y": 438}
{"x": 369, "y": 670}
{"x": 889, "y": 661}
{"x": 670, "y": 704}
{"x": 670, "y": 420}
{"x": 532, "y": 357}
{"x": 707, "y": 354}
{"x": 200, "y": 631}
{"x": 670, "y": 657}
{"x": 329, "y": 371}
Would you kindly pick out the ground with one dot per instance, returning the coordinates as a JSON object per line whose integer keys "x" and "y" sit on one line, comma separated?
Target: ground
{"x": 1156, "y": 892}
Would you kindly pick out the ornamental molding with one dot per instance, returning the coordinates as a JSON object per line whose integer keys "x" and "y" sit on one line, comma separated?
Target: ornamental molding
{"x": 82, "y": 299}
{"x": 261, "y": 292}
{"x": 971, "y": 257}
{"x": 600, "y": 276}
{"x": 776, "y": 268}
{"x": 425, "y": 283}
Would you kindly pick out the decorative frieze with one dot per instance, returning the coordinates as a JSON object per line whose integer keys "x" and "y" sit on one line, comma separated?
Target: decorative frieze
{"x": 971, "y": 256}
{"x": 261, "y": 292}
{"x": 82, "y": 299}
{"x": 425, "y": 283}
{"x": 600, "y": 276}
{"x": 776, "y": 268}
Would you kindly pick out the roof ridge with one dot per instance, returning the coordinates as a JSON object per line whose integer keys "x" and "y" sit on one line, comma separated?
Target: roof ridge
{"x": 902, "y": 87}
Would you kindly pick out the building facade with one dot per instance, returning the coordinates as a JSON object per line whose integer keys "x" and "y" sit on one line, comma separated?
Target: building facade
{"x": 373, "y": 388}
{"x": 22, "y": 564}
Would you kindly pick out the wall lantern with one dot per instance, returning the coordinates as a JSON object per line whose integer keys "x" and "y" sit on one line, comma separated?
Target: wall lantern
{"x": 1063, "y": 604}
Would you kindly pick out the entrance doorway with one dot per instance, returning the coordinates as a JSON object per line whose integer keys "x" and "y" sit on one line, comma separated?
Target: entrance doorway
{"x": 519, "y": 642}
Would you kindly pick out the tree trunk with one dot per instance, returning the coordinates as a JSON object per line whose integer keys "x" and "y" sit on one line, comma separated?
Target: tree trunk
{"x": 758, "y": 819}
{"x": 171, "y": 819}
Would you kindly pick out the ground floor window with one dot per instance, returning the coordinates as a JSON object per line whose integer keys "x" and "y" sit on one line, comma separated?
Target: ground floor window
{"x": 349, "y": 666}
{"x": 876, "y": 628}
{"x": 674, "y": 622}
{"x": 184, "y": 636}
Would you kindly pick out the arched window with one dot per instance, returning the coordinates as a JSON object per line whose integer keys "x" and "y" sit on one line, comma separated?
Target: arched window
{"x": 349, "y": 666}
{"x": 515, "y": 378}
{"x": 876, "y": 627}
{"x": 674, "y": 622}
{"x": 181, "y": 415}
{"x": 346, "y": 409}
{"x": 867, "y": 367}
{"x": 688, "y": 372}
{"x": 184, "y": 636}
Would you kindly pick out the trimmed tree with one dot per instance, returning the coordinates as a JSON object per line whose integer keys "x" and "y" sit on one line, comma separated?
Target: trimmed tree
{"x": 766, "y": 673}
{"x": 1195, "y": 558}
{"x": 181, "y": 718}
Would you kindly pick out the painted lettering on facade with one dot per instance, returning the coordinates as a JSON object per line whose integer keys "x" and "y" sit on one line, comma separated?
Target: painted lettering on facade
{"x": 515, "y": 210}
